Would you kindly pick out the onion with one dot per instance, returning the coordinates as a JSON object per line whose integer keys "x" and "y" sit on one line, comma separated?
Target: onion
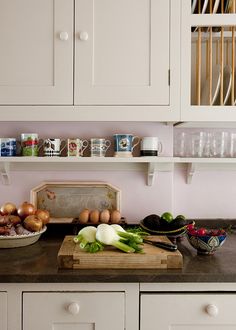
{"x": 8, "y": 208}
{"x": 43, "y": 215}
{"x": 25, "y": 209}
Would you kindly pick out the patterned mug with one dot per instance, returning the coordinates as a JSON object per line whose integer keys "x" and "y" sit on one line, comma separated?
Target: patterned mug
{"x": 76, "y": 147}
{"x": 52, "y": 147}
{"x": 99, "y": 147}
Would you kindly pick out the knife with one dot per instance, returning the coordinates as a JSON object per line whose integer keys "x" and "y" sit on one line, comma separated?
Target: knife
{"x": 163, "y": 245}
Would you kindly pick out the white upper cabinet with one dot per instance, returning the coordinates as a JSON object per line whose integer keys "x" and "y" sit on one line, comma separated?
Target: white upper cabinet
{"x": 122, "y": 52}
{"x": 208, "y": 60}
{"x": 36, "y": 54}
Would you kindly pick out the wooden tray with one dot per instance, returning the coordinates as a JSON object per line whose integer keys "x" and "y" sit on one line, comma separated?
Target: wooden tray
{"x": 65, "y": 200}
{"x": 72, "y": 257}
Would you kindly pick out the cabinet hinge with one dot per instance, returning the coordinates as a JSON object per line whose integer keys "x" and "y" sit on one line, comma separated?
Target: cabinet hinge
{"x": 169, "y": 77}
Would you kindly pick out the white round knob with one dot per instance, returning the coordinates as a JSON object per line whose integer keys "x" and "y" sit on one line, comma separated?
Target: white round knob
{"x": 83, "y": 36}
{"x": 64, "y": 36}
{"x": 212, "y": 310}
{"x": 73, "y": 308}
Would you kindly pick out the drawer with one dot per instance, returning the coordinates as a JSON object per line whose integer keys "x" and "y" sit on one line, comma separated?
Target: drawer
{"x": 73, "y": 310}
{"x": 188, "y": 311}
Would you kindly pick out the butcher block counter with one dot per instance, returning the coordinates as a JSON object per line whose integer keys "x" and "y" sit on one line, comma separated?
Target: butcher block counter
{"x": 38, "y": 263}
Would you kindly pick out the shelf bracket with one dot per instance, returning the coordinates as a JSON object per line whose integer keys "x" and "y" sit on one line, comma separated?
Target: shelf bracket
{"x": 150, "y": 174}
{"x": 191, "y": 168}
{"x": 5, "y": 173}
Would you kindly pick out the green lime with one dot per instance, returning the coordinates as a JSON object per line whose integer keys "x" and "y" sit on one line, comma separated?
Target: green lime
{"x": 167, "y": 216}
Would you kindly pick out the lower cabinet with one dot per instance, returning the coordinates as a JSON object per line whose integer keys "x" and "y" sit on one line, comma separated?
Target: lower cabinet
{"x": 74, "y": 310}
{"x": 193, "y": 311}
{"x": 3, "y": 310}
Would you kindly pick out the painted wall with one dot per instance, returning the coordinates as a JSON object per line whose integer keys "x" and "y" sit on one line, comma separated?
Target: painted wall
{"x": 211, "y": 194}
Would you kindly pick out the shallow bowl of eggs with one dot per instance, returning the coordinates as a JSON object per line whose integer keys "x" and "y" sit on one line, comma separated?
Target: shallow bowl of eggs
{"x": 206, "y": 241}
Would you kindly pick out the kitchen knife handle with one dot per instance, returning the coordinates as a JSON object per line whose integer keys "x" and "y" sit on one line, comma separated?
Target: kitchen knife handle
{"x": 163, "y": 245}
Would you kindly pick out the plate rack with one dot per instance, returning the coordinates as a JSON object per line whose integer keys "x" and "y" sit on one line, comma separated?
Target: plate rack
{"x": 213, "y": 56}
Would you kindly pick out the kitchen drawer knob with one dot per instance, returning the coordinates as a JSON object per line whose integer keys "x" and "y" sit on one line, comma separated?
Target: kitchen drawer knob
{"x": 212, "y": 310}
{"x": 64, "y": 36}
{"x": 83, "y": 36}
{"x": 73, "y": 308}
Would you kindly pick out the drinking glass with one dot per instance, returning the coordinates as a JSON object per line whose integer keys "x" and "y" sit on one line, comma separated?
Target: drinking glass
{"x": 198, "y": 141}
{"x": 220, "y": 144}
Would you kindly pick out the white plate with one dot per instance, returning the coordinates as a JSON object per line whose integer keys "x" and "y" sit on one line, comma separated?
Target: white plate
{"x": 20, "y": 240}
{"x": 204, "y": 7}
{"x": 194, "y": 3}
{"x": 215, "y": 7}
{"x": 215, "y": 87}
{"x": 227, "y": 82}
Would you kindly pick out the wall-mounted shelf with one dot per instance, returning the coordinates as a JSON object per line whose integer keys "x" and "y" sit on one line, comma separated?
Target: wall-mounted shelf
{"x": 149, "y": 165}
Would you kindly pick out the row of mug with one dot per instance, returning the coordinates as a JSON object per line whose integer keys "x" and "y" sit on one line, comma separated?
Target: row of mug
{"x": 124, "y": 144}
{"x": 205, "y": 144}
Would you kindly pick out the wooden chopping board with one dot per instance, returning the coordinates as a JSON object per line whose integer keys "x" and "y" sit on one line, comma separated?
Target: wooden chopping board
{"x": 70, "y": 256}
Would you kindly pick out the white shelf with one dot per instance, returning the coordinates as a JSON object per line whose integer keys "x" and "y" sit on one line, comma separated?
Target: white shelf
{"x": 149, "y": 165}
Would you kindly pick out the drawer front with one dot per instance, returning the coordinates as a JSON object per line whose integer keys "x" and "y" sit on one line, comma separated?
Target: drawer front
{"x": 188, "y": 311}
{"x": 3, "y": 310}
{"x": 70, "y": 311}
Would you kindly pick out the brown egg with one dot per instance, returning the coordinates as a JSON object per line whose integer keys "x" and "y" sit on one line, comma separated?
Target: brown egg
{"x": 94, "y": 216}
{"x": 84, "y": 216}
{"x": 115, "y": 216}
{"x": 104, "y": 216}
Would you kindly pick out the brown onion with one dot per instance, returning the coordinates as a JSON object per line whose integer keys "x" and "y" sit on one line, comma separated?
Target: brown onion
{"x": 32, "y": 223}
{"x": 43, "y": 215}
{"x": 8, "y": 208}
{"x": 25, "y": 209}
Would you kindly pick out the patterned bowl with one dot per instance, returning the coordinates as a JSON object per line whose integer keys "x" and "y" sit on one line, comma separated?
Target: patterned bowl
{"x": 206, "y": 244}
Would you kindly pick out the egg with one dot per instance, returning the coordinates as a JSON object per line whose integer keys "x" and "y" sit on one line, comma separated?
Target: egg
{"x": 94, "y": 216}
{"x": 104, "y": 216}
{"x": 84, "y": 216}
{"x": 115, "y": 216}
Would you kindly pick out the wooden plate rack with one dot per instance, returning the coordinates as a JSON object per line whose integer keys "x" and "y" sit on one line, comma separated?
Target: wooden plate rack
{"x": 213, "y": 46}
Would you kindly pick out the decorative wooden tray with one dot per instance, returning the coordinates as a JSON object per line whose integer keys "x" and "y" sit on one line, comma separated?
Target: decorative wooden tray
{"x": 65, "y": 200}
{"x": 72, "y": 257}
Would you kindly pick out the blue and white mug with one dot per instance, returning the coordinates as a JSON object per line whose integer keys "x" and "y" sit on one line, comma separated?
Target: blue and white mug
{"x": 8, "y": 147}
{"x": 124, "y": 144}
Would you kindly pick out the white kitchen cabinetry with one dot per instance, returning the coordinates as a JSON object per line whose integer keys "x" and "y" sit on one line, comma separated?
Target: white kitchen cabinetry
{"x": 193, "y": 311}
{"x": 36, "y": 54}
{"x": 3, "y": 310}
{"x": 70, "y": 311}
{"x": 126, "y": 63}
{"x": 208, "y": 62}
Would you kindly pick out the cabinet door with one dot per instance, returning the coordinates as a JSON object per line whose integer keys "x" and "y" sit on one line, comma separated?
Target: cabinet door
{"x": 122, "y": 52}
{"x": 36, "y": 52}
{"x": 188, "y": 312}
{"x": 3, "y": 310}
{"x": 72, "y": 311}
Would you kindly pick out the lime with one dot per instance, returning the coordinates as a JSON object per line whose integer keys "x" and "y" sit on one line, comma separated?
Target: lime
{"x": 167, "y": 216}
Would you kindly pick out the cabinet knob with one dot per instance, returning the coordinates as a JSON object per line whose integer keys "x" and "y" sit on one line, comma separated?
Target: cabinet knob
{"x": 212, "y": 310}
{"x": 73, "y": 308}
{"x": 83, "y": 36}
{"x": 64, "y": 36}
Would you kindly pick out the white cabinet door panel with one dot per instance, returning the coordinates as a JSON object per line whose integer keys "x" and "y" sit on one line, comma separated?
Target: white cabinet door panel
{"x": 3, "y": 310}
{"x": 188, "y": 312}
{"x": 95, "y": 310}
{"x": 122, "y": 52}
{"x": 35, "y": 64}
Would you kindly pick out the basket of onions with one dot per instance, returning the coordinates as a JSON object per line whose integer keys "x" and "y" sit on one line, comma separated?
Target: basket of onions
{"x": 21, "y": 226}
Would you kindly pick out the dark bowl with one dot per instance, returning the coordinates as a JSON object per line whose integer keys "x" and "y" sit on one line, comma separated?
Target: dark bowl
{"x": 206, "y": 244}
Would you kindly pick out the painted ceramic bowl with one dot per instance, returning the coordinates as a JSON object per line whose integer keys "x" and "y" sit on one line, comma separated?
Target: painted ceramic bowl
{"x": 207, "y": 243}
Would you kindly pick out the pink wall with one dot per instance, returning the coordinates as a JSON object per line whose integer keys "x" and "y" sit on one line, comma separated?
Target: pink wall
{"x": 211, "y": 194}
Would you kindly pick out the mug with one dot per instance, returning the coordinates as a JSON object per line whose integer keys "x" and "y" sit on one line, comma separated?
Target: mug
{"x": 29, "y": 144}
{"x": 8, "y": 147}
{"x": 150, "y": 146}
{"x": 52, "y": 147}
{"x": 76, "y": 147}
{"x": 99, "y": 147}
{"x": 124, "y": 144}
